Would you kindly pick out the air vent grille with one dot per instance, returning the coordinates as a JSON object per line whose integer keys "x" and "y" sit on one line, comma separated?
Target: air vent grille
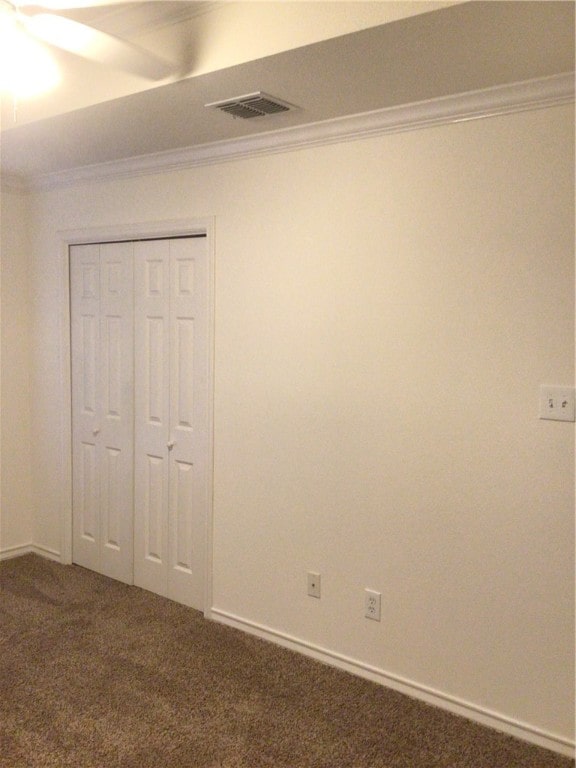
{"x": 253, "y": 105}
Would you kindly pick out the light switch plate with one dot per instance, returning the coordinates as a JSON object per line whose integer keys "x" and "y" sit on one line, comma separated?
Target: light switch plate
{"x": 314, "y": 584}
{"x": 557, "y": 403}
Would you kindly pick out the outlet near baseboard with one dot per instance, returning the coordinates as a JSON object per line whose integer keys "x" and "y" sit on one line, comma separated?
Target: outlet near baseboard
{"x": 372, "y": 602}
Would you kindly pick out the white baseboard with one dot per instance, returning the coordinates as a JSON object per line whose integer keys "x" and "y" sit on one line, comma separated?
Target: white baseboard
{"x": 49, "y": 554}
{"x": 26, "y": 549}
{"x": 9, "y": 552}
{"x": 460, "y": 707}
{"x": 495, "y": 720}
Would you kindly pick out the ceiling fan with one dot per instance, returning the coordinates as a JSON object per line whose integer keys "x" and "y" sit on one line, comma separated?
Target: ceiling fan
{"x": 42, "y": 20}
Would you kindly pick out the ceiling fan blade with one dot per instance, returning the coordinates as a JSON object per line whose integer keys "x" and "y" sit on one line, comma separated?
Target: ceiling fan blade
{"x": 97, "y": 46}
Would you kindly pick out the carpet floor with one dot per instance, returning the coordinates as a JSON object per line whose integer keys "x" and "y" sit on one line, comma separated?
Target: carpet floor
{"x": 96, "y": 674}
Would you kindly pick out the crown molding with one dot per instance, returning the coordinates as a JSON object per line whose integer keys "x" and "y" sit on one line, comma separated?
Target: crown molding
{"x": 472, "y": 105}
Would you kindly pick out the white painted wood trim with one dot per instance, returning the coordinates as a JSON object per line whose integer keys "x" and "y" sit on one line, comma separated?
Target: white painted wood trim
{"x": 473, "y": 105}
{"x": 65, "y": 408}
{"x": 49, "y": 554}
{"x": 129, "y": 231}
{"x": 495, "y": 720}
{"x": 26, "y": 549}
{"x": 9, "y": 552}
{"x": 211, "y": 304}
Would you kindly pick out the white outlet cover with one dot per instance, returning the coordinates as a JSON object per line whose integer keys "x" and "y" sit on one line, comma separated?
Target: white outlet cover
{"x": 557, "y": 403}
{"x": 372, "y": 602}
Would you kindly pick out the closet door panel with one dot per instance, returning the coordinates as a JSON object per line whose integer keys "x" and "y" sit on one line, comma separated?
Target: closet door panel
{"x": 112, "y": 494}
{"x": 170, "y": 321}
{"x": 154, "y": 376}
{"x": 85, "y": 348}
{"x": 88, "y": 345}
{"x": 188, "y": 407}
{"x": 139, "y": 402}
{"x": 88, "y": 495}
{"x": 154, "y": 508}
{"x": 116, "y": 395}
{"x": 183, "y": 376}
{"x": 152, "y": 373}
{"x": 182, "y": 503}
{"x": 102, "y": 407}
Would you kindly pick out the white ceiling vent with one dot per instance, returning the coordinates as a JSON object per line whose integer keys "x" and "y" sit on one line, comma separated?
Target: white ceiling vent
{"x": 252, "y": 105}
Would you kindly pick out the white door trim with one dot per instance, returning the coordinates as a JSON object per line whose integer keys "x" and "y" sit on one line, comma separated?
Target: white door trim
{"x": 129, "y": 231}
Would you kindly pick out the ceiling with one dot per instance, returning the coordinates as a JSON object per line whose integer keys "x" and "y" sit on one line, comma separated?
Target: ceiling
{"x": 424, "y": 52}
{"x": 133, "y": 18}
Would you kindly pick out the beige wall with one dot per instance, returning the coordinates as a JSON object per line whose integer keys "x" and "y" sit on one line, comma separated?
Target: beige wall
{"x": 16, "y": 513}
{"x": 386, "y": 311}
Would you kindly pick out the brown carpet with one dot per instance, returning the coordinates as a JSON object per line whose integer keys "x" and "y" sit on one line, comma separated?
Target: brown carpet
{"x": 95, "y": 674}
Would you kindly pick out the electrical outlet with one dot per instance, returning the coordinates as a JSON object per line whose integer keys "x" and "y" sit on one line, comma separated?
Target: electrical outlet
{"x": 557, "y": 403}
{"x": 313, "y": 584}
{"x": 372, "y": 602}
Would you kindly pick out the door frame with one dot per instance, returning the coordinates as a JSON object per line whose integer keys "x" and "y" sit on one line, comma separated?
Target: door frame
{"x": 146, "y": 230}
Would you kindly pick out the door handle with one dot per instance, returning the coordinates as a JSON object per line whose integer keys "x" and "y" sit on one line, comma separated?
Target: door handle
{"x": 96, "y": 431}
{"x": 170, "y": 445}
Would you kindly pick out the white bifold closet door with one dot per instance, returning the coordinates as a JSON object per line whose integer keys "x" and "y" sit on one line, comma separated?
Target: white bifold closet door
{"x": 171, "y": 451}
{"x": 140, "y": 404}
{"x": 102, "y": 407}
